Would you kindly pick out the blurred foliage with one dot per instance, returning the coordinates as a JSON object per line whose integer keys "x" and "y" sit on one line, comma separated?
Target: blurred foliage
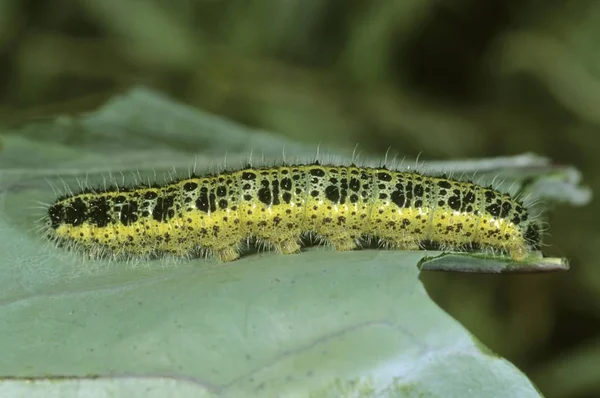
{"x": 440, "y": 79}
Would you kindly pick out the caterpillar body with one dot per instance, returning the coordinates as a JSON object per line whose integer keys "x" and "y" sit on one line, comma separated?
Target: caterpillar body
{"x": 340, "y": 205}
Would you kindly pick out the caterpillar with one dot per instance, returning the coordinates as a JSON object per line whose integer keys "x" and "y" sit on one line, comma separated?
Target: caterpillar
{"x": 340, "y": 205}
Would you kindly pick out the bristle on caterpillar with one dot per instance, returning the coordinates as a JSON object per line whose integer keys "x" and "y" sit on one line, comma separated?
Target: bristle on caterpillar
{"x": 340, "y": 205}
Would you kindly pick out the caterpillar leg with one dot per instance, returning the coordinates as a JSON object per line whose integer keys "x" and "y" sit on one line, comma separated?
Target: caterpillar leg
{"x": 284, "y": 244}
{"x": 344, "y": 243}
{"x": 288, "y": 246}
{"x": 518, "y": 253}
{"x": 227, "y": 254}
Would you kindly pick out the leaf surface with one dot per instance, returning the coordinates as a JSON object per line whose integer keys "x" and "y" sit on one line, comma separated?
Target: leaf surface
{"x": 320, "y": 323}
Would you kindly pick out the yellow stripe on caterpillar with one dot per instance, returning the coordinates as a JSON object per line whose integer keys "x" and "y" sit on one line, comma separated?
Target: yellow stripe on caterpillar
{"x": 342, "y": 205}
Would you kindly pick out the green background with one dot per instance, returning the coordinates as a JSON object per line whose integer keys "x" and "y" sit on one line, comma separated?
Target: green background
{"x": 473, "y": 79}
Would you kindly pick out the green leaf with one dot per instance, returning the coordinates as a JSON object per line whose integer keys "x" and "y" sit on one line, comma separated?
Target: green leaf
{"x": 320, "y": 323}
